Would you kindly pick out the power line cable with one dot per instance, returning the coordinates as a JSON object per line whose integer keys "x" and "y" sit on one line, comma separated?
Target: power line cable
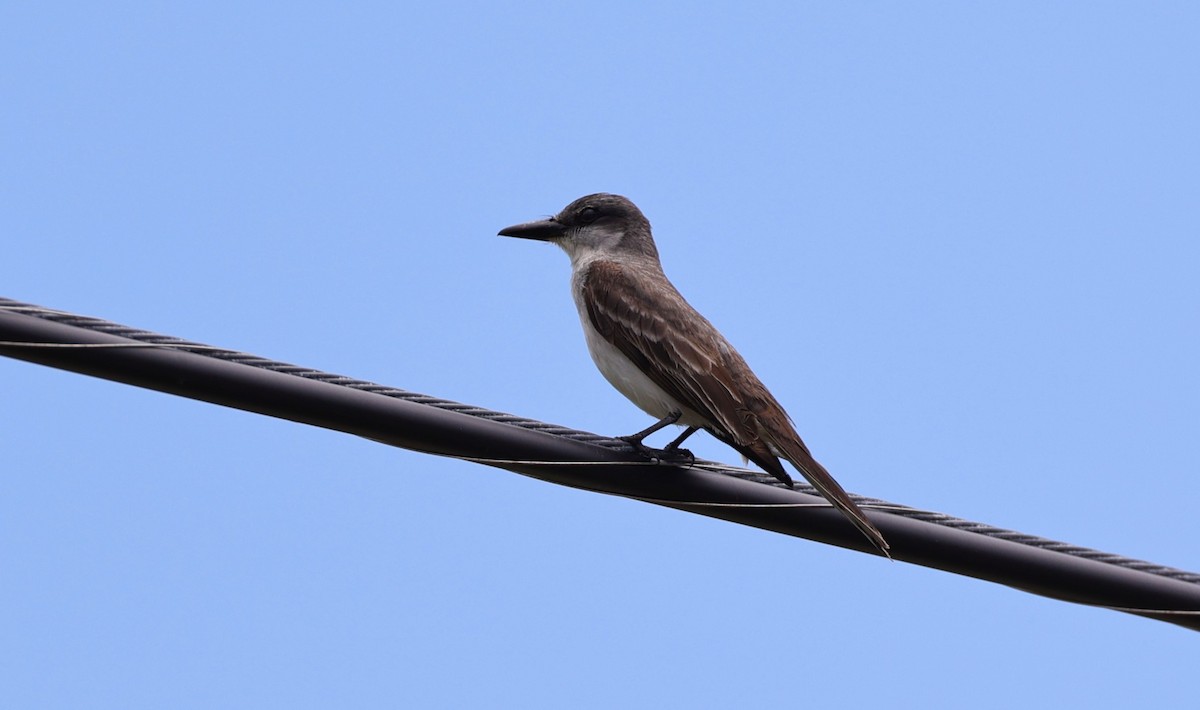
{"x": 588, "y": 461}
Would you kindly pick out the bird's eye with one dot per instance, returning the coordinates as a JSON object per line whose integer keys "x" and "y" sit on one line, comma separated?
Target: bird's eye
{"x": 587, "y": 215}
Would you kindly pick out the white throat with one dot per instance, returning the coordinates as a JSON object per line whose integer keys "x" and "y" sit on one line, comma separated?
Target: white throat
{"x": 588, "y": 243}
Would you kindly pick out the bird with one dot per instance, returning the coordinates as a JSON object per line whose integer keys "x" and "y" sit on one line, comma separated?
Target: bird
{"x": 663, "y": 355}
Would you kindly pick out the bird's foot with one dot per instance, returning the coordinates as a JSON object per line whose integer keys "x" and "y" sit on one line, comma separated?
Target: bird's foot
{"x": 671, "y": 454}
{"x": 674, "y": 454}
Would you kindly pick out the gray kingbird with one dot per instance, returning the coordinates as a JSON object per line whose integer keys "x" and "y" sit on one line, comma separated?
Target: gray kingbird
{"x": 658, "y": 351}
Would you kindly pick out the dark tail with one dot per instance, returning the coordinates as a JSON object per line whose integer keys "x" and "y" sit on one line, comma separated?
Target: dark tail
{"x": 797, "y": 453}
{"x": 794, "y": 450}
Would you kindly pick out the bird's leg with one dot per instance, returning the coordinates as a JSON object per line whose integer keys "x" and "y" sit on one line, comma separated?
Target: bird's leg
{"x": 635, "y": 440}
{"x": 673, "y": 451}
{"x": 679, "y": 439}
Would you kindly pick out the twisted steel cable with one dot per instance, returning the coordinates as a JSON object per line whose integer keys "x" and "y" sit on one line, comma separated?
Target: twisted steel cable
{"x": 593, "y": 462}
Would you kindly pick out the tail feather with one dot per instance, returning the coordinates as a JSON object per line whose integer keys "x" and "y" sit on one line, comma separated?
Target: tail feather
{"x": 797, "y": 453}
{"x": 794, "y": 450}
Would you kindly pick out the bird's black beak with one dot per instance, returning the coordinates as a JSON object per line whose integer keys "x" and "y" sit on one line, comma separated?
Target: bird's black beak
{"x": 543, "y": 230}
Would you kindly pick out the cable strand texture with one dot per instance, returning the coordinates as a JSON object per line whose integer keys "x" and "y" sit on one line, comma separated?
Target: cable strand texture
{"x": 144, "y": 336}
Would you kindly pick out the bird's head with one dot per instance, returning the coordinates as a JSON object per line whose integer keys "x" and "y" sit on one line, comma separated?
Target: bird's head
{"x": 596, "y": 224}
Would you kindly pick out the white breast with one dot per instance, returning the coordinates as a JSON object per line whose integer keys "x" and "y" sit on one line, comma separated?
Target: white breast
{"x": 620, "y": 371}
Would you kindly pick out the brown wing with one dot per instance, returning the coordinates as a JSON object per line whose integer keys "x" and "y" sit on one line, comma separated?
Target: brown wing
{"x": 680, "y": 351}
{"x": 650, "y": 323}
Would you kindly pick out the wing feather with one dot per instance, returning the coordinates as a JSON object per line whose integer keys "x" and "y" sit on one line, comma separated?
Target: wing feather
{"x": 667, "y": 339}
{"x": 644, "y": 317}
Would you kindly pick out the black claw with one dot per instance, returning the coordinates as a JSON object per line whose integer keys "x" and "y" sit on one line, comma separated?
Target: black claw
{"x": 667, "y": 455}
{"x": 678, "y": 455}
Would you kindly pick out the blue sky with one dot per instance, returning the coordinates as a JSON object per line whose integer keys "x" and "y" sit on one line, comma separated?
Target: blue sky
{"x": 959, "y": 242}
